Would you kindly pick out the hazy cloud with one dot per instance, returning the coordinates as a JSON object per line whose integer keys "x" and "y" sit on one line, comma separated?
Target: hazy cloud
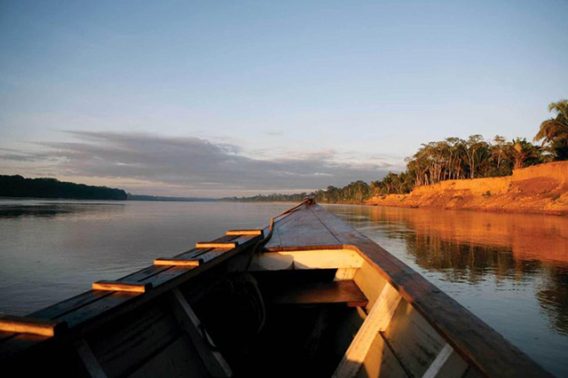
{"x": 196, "y": 164}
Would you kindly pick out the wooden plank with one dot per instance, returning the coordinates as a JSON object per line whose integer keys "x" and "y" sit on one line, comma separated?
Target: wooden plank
{"x": 32, "y": 326}
{"x": 71, "y": 304}
{"x": 188, "y": 263}
{"x": 309, "y": 259}
{"x": 128, "y": 287}
{"x": 207, "y": 245}
{"x": 370, "y": 281}
{"x": 89, "y": 360}
{"x": 378, "y": 320}
{"x": 178, "y": 359}
{"x": 446, "y": 364}
{"x": 301, "y": 229}
{"x": 473, "y": 339}
{"x": 12, "y": 347}
{"x": 94, "y": 310}
{"x": 247, "y": 232}
{"x": 415, "y": 343}
{"x": 131, "y": 340}
{"x": 381, "y": 362}
{"x": 332, "y": 292}
{"x": 212, "y": 359}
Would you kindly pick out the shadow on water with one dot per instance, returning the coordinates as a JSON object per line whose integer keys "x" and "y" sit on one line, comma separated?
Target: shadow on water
{"x": 51, "y": 210}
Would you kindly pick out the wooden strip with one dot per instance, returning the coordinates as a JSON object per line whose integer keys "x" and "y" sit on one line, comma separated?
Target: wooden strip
{"x": 128, "y": 287}
{"x": 438, "y": 362}
{"x": 191, "y": 263}
{"x": 212, "y": 359}
{"x": 32, "y": 326}
{"x": 89, "y": 359}
{"x": 247, "y": 232}
{"x": 447, "y": 364}
{"x": 208, "y": 245}
{"x": 378, "y": 320}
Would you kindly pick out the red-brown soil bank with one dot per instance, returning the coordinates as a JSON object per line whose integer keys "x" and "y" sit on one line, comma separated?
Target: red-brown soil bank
{"x": 538, "y": 189}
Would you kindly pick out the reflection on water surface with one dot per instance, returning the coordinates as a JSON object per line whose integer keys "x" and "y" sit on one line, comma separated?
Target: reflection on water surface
{"x": 509, "y": 269}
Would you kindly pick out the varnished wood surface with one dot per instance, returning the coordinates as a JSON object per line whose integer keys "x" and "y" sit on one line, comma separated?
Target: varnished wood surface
{"x": 473, "y": 339}
{"x": 32, "y": 326}
{"x": 189, "y": 263}
{"x": 127, "y": 287}
{"x": 333, "y": 292}
{"x": 249, "y": 232}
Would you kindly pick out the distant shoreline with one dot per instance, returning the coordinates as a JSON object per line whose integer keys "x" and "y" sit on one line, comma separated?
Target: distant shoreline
{"x": 49, "y": 188}
{"x": 539, "y": 189}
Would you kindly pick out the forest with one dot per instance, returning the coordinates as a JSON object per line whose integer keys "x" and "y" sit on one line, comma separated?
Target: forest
{"x": 452, "y": 159}
{"x": 18, "y": 186}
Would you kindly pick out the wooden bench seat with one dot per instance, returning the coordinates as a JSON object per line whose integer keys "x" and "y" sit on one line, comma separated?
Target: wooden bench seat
{"x": 333, "y": 292}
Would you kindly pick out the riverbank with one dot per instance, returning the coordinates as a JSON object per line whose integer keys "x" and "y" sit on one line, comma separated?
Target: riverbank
{"x": 539, "y": 189}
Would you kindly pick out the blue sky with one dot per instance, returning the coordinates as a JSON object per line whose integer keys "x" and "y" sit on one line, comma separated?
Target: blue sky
{"x": 190, "y": 98}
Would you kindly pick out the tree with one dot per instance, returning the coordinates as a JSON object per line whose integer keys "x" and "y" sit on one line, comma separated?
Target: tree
{"x": 554, "y": 131}
{"x": 476, "y": 151}
{"x": 524, "y": 153}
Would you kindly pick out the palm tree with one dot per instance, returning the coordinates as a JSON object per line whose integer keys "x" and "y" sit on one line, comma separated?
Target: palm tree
{"x": 554, "y": 131}
{"x": 524, "y": 153}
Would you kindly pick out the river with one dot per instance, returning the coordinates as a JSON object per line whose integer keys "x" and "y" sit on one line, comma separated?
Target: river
{"x": 511, "y": 270}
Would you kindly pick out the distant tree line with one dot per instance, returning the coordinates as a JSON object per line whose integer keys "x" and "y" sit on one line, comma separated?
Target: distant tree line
{"x": 454, "y": 158}
{"x": 18, "y": 186}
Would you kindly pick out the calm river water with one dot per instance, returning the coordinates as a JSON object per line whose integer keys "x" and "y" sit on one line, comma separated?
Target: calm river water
{"x": 510, "y": 270}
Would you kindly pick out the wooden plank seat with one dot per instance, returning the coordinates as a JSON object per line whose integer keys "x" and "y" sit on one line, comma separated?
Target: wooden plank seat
{"x": 333, "y": 292}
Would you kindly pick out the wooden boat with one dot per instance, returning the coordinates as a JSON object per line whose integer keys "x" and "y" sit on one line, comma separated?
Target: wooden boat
{"x": 306, "y": 296}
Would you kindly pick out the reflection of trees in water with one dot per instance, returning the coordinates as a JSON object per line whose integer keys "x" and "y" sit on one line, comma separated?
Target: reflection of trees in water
{"x": 554, "y": 297}
{"x": 467, "y": 261}
{"x": 50, "y": 210}
{"x": 469, "y": 247}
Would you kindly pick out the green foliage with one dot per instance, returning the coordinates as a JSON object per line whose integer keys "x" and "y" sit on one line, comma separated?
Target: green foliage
{"x": 18, "y": 186}
{"x": 554, "y": 131}
{"x": 455, "y": 158}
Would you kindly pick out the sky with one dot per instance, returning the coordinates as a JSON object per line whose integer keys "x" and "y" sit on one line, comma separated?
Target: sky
{"x": 219, "y": 98}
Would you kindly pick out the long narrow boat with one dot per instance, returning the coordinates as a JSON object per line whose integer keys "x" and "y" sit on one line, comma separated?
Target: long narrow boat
{"x": 306, "y": 296}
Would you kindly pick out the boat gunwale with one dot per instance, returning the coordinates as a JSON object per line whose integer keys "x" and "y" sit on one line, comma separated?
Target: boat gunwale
{"x": 14, "y": 344}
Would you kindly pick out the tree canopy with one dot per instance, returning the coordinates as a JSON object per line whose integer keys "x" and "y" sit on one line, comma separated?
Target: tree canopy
{"x": 18, "y": 186}
{"x": 554, "y": 131}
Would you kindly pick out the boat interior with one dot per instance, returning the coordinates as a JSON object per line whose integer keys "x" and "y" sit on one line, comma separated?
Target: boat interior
{"x": 321, "y": 313}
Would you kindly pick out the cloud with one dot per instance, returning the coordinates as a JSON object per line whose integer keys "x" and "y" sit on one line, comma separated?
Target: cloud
{"x": 195, "y": 165}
